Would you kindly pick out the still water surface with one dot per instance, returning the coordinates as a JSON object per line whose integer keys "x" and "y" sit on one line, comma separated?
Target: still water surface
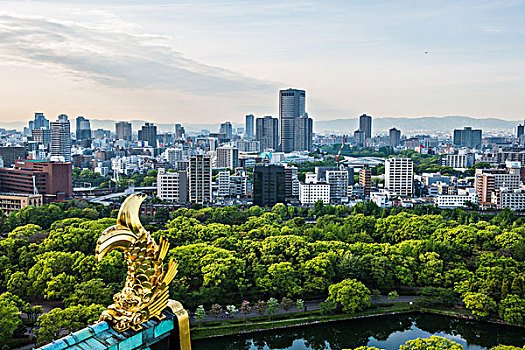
{"x": 385, "y": 332}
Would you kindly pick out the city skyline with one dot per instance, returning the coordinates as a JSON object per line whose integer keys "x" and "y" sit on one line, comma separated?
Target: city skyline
{"x": 167, "y": 62}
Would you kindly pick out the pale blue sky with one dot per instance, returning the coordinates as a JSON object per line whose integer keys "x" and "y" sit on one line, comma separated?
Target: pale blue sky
{"x": 210, "y": 61}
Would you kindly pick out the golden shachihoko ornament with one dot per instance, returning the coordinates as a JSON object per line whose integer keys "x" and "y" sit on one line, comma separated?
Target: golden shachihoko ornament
{"x": 145, "y": 293}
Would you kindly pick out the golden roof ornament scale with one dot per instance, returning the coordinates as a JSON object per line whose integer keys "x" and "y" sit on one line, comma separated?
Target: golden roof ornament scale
{"x": 146, "y": 290}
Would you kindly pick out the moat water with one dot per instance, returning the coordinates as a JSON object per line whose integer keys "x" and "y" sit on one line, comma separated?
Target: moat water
{"x": 385, "y": 332}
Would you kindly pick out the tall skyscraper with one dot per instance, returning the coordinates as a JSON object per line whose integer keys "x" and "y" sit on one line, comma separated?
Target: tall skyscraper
{"x": 249, "y": 125}
{"x": 267, "y": 133}
{"x": 199, "y": 175}
{"x": 227, "y": 130}
{"x": 365, "y": 125}
{"x": 83, "y": 132}
{"x": 303, "y": 133}
{"x": 520, "y": 130}
{"x": 61, "y": 138}
{"x": 291, "y": 106}
{"x": 40, "y": 122}
{"x": 179, "y": 132}
{"x": 394, "y": 137}
{"x": 399, "y": 176}
{"x": 123, "y": 131}
{"x": 467, "y": 137}
{"x": 148, "y": 134}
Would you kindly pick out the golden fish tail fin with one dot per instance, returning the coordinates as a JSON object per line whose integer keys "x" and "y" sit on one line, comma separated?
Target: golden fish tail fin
{"x": 171, "y": 272}
{"x": 163, "y": 249}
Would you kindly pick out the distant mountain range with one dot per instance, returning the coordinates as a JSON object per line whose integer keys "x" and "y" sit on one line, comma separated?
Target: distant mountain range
{"x": 339, "y": 125}
{"x": 423, "y": 124}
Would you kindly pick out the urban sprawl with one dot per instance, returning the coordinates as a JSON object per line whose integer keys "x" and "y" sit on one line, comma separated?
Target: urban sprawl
{"x": 268, "y": 161}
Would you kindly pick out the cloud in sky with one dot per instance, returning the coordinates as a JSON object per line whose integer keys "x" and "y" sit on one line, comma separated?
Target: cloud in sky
{"x": 219, "y": 60}
{"x": 116, "y": 58}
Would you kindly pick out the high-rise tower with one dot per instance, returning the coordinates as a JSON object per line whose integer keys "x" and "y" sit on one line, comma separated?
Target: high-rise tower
{"x": 61, "y": 138}
{"x": 365, "y": 125}
{"x": 83, "y": 132}
{"x": 248, "y": 130}
{"x": 291, "y": 106}
{"x": 148, "y": 134}
{"x": 123, "y": 131}
{"x": 303, "y": 133}
{"x": 267, "y": 133}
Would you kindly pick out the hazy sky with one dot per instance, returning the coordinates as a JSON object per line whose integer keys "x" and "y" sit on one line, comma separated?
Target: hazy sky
{"x": 211, "y": 61}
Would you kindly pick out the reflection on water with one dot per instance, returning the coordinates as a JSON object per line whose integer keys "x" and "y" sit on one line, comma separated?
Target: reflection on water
{"x": 386, "y": 332}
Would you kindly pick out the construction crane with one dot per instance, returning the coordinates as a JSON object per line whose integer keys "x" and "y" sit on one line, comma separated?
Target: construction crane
{"x": 339, "y": 153}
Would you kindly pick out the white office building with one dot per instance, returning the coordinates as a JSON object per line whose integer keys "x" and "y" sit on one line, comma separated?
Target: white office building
{"x": 460, "y": 161}
{"x": 61, "y": 138}
{"x": 507, "y": 198}
{"x": 312, "y": 191}
{"x": 399, "y": 176}
{"x": 223, "y": 182}
{"x": 451, "y": 201}
{"x": 172, "y": 186}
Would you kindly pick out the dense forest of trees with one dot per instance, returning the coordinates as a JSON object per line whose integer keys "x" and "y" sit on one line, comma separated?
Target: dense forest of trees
{"x": 228, "y": 255}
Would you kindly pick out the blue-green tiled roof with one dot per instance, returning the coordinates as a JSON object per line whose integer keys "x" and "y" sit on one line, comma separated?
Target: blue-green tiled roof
{"x": 100, "y": 336}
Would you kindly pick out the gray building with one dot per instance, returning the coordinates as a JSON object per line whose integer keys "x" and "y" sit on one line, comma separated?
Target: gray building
{"x": 148, "y": 134}
{"x": 172, "y": 186}
{"x": 10, "y": 154}
{"x": 394, "y": 137}
{"x": 303, "y": 133}
{"x": 123, "y": 131}
{"x": 291, "y": 106}
{"x": 227, "y": 157}
{"x": 360, "y": 138}
{"x": 83, "y": 132}
{"x": 365, "y": 125}
{"x": 40, "y": 122}
{"x": 227, "y": 130}
{"x": 179, "y": 132}
{"x": 248, "y": 130}
{"x": 267, "y": 133}
{"x": 467, "y": 137}
{"x": 199, "y": 179}
{"x": 41, "y": 136}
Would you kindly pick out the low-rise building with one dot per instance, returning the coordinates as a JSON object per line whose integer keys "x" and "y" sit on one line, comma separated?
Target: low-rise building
{"x": 312, "y": 191}
{"x": 460, "y": 161}
{"x": 451, "y": 201}
{"x": 512, "y": 199}
{"x": 10, "y": 202}
{"x": 172, "y": 186}
{"x": 223, "y": 182}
